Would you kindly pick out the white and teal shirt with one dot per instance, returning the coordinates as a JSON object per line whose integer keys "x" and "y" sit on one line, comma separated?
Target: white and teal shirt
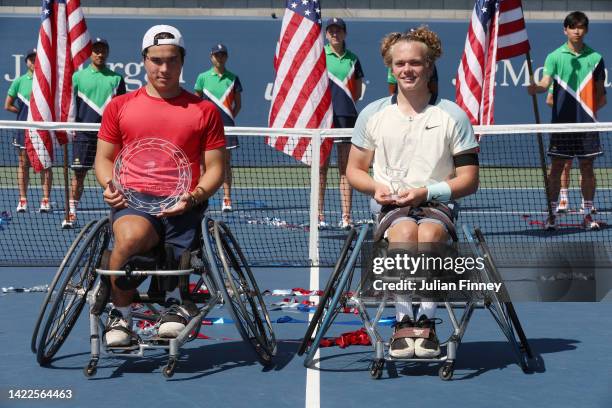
{"x": 93, "y": 90}
{"x": 423, "y": 145}
{"x": 220, "y": 90}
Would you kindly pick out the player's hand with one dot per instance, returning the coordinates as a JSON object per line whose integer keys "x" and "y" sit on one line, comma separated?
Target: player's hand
{"x": 412, "y": 197}
{"x": 182, "y": 206}
{"x": 532, "y": 89}
{"x": 382, "y": 194}
{"x": 113, "y": 197}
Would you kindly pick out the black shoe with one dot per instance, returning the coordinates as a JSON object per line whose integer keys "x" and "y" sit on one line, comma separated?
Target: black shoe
{"x": 401, "y": 344}
{"x": 429, "y": 346}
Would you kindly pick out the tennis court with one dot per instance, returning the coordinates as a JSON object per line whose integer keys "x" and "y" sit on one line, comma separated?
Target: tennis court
{"x": 271, "y": 221}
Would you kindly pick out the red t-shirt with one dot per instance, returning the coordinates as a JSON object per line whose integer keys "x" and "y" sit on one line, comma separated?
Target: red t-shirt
{"x": 192, "y": 124}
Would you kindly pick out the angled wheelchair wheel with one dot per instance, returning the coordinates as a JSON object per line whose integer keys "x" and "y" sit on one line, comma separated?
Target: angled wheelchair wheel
{"x": 330, "y": 311}
{"x": 72, "y": 290}
{"x": 240, "y": 291}
{"x": 59, "y": 275}
{"x": 501, "y": 306}
{"x": 328, "y": 292}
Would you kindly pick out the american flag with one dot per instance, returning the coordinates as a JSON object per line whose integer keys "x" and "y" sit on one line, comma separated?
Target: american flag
{"x": 63, "y": 46}
{"x": 496, "y": 32}
{"x": 301, "y": 96}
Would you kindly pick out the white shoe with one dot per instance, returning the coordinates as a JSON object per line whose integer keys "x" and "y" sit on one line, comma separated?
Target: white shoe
{"x": 227, "y": 205}
{"x": 69, "y": 223}
{"x": 45, "y": 205}
{"x": 589, "y": 224}
{"x": 563, "y": 206}
{"x": 118, "y": 332}
{"x": 173, "y": 322}
{"x": 22, "y": 206}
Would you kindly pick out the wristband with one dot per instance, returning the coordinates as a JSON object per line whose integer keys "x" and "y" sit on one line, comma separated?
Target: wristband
{"x": 194, "y": 192}
{"x": 439, "y": 192}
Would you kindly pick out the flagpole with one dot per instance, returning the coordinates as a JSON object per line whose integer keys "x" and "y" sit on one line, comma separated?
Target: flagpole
{"x": 536, "y": 113}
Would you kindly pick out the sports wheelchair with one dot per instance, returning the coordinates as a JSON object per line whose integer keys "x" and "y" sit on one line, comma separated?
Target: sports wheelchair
{"x": 218, "y": 264}
{"x": 338, "y": 295}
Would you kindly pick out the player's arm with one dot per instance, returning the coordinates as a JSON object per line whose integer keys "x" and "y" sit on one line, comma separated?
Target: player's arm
{"x": 466, "y": 177}
{"x": 600, "y": 94}
{"x": 8, "y": 104}
{"x": 237, "y": 103}
{"x": 105, "y": 156}
{"x": 539, "y": 87}
{"x": 359, "y": 178}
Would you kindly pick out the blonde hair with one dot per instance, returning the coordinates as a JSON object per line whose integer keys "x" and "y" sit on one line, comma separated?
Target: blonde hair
{"x": 422, "y": 34}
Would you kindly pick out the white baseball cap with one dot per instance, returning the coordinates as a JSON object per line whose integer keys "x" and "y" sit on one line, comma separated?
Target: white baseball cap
{"x": 149, "y": 38}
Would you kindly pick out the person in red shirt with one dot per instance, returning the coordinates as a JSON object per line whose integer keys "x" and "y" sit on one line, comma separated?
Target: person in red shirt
{"x": 161, "y": 109}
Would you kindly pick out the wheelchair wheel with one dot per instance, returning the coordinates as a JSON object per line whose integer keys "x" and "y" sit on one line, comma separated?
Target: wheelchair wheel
{"x": 72, "y": 291}
{"x": 330, "y": 289}
{"x": 506, "y": 314}
{"x": 52, "y": 294}
{"x": 240, "y": 292}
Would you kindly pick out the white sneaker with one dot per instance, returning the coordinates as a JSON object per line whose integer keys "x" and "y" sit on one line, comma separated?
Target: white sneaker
{"x": 45, "y": 205}
{"x": 345, "y": 222}
{"x": 173, "y": 322}
{"x": 581, "y": 211}
{"x": 22, "y": 206}
{"x": 118, "y": 332}
{"x": 69, "y": 223}
{"x": 227, "y": 205}
{"x": 563, "y": 206}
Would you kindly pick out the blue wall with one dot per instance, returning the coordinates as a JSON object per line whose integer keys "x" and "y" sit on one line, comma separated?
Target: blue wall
{"x": 251, "y": 43}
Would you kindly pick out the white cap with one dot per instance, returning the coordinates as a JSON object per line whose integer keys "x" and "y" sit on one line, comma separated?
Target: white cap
{"x": 149, "y": 41}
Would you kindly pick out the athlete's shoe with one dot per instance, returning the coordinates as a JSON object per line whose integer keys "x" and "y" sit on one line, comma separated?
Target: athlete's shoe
{"x": 563, "y": 206}
{"x": 69, "y": 223}
{"x": 227, "y": 205}
{"x": 551, "y": 223}
{"x": 22, "y": 206}
{"x": 401, "y": 344}
{"x": 589, "y": 224}
{"x": 45, "y": 205}
{"x": 345, "y": 222}
{"x": 173, "y": 321}
{"x": 427, "y": 347}
{"x": 118, "y": 332}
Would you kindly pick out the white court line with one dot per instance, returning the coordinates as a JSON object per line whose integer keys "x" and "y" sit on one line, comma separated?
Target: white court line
{"x": 313, "y": 375}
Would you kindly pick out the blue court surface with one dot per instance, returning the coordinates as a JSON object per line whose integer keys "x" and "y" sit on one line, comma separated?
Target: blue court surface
{"x": 571, "y": 339}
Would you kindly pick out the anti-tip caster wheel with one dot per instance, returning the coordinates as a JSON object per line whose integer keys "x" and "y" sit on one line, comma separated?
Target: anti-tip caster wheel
{"x": 376, "y": 368}
{"x": 91, "y": 368}
{"x": 168, "y": 370}
{"x": 446, "y": 371}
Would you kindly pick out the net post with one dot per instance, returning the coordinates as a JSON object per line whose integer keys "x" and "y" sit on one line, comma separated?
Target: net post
{"x": 313, "y": 244}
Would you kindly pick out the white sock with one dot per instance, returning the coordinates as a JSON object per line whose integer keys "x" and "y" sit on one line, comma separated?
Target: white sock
{"x": 428, "y": 309}
{"x": 73, "y": 205}
{"x": 403, "y": 307}
{"x": 563, "y": 194}
{"x": 587, "y": 205}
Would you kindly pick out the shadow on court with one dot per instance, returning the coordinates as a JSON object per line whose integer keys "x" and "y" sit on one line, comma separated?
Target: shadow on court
{"x": 473, "y": 359}
{"x": 195, "y": 362}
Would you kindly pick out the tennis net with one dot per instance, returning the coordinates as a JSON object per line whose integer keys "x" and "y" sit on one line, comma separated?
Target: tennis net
{"x": 274, "y": 200}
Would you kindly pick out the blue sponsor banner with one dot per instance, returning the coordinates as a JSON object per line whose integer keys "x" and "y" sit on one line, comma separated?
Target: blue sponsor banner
{"x": 251, "y": 44}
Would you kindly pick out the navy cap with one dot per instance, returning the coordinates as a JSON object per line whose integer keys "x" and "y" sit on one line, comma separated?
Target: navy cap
{"x": 218, "y": 48}
{"x": 31, "y": 51}
{"x": 99, "y": 40}
{"x": 336, "y": 21}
